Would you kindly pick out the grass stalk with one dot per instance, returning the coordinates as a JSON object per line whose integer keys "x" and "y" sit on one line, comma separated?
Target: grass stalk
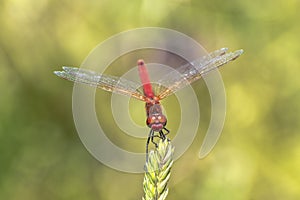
{"x": 158, "y": 171}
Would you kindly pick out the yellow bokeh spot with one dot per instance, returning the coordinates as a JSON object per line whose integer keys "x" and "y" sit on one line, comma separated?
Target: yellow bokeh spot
{"x": 242, "y": 104}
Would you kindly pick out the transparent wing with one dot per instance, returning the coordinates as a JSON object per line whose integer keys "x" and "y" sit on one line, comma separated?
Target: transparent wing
{"x": 105, "y": 82}
{"x": 193, "y": 71}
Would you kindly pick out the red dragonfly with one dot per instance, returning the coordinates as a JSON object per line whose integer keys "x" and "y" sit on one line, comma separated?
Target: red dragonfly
{"x": 170, "y": 83}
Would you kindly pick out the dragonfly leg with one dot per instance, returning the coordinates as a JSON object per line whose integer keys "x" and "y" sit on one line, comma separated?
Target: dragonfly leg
{"x": 147, "y": 144}
{"x": 162, "y": 135}
{"x": 152, "y": 140}
{"x": 167, "y": 131}
{"x": 151, "y": 137}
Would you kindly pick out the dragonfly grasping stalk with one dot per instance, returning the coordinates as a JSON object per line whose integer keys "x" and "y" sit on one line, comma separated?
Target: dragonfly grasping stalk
{"x": 169, "y": 84}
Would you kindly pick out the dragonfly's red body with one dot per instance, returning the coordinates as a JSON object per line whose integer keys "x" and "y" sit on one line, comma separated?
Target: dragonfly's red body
{"x": 155, "y": 118}
{"x": 169, "y": 84}
{"x": 144, "y": 76}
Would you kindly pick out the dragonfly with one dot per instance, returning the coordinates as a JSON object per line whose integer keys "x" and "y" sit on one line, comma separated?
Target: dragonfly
{"x": 166, "y": 86}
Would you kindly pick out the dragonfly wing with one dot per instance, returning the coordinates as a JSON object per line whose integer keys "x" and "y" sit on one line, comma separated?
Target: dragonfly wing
{"x": 193, "y": 71}
{"x": 105, "y": 82}
{"x": 216, "y": 62}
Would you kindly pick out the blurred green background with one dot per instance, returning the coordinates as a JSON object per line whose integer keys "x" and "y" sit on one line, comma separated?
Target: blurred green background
{"x": 258, "y": 155}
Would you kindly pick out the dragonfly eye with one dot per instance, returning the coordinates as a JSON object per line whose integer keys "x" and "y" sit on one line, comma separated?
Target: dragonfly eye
{"x": 159, "y": 117}
{"x": 153, "y": 118}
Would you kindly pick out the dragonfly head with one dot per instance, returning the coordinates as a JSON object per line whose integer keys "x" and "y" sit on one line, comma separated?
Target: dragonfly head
{"x": 156, "y": 122}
